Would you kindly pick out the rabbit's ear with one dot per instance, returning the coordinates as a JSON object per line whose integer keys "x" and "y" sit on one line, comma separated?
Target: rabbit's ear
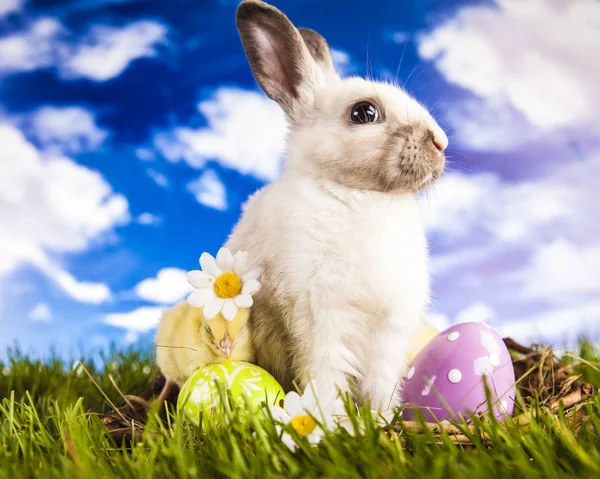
{"x": 318, "y": 48}
{"x": 276, "y": 52}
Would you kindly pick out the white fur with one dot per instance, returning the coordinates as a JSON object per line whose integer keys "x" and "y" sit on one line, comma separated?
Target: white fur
{"x": 339, "y": 234}
{"x": 334, "y": 245}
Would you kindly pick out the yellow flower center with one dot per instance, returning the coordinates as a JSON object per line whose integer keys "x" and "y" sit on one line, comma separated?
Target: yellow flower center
{"x": 303, "y": 425}
{"x": 228, "y": 285}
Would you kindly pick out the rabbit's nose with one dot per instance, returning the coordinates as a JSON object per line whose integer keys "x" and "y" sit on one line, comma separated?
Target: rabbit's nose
{"x": 439, "y": 140}
{"x": 438, "y": 144}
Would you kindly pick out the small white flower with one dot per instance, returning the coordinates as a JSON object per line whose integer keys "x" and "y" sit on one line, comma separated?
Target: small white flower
{"x": 224, "y": 284}
{"x": 303, "y": 412}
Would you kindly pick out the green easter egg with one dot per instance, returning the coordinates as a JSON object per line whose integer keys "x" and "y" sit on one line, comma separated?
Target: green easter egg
{"x": 249, "y": 385}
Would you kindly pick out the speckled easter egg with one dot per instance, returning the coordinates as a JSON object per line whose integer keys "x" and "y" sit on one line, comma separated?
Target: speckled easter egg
{"x": 249, "y": 384}
{"x": 446, "y": 378}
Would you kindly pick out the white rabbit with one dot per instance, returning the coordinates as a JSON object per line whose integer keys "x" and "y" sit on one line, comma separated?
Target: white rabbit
{"x": 339, "y": 234}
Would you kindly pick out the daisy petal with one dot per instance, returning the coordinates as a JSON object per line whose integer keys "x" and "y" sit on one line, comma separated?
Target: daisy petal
{"x": 244, "y": 300}
{"x": 225, "y": 260}
{"x": 279, "y": 414}
{"x": 309, "y": 399}
{"x": 213, "y": 307}
{"x": 199, "y": 279}
{"x": 251, "y": 287}
{"x": 387, "y": 416}
{"x": 339, "y": 407}
{"x": 289, "y": 441}
{"x": 229, "y": 309}
{"x": 201, "y": 297}
{"x": 254, "y": 273}
{"x": 329, "y": 422}
{"x": 346, "y": 423}
{"x": 209, "y": 265}
{"x": 293, "y": 404}
{"x": 240, "y": 261}
{"x": 315, "y": 436}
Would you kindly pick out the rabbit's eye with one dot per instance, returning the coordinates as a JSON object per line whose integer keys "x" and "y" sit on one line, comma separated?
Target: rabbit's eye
{"x": 364, "y": 112}
{"x": 208, "y": 330}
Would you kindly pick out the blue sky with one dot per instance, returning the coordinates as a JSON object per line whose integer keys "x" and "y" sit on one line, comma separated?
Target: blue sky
{"x": 131, "y": 133}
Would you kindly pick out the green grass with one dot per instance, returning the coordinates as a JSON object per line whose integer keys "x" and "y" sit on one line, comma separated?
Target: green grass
{"x": 49, "y": 428}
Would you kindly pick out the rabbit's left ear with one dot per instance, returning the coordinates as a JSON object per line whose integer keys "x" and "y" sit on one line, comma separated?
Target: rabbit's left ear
{"x": 278, "y": 56}
{"x": 318, "y": 48}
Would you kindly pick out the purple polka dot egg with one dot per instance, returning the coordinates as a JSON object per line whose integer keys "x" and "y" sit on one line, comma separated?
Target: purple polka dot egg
{"x": 446, "y": 379}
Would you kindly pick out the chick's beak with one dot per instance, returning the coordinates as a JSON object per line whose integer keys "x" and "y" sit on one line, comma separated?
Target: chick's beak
{"x": 226, "y": 345}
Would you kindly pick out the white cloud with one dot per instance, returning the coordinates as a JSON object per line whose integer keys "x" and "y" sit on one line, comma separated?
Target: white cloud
{"x": 455, "y": 198}
{"x": 488, "y": 125}
{"x": 66, "y": 129}
{"x": 477, "y": 312}
{"x": 561, "y": 326}
{"x": 246, "y": 132}
{"x": 530, "y": 246}
{"x": 209, "y": 190}
{"x": 463, "y": 206}
{"x": 563, "y": 271}
{"x": 400, "y": 37}
{"x": 540, "y": 72}
{"x": 131, "y": 336}
{"x": 169, "y": 286}
{"x": 41, "y": 313}
{"x": 37, "y": 47}
{"x": 83, "y": 291}
{"x": 148, "y": 219}
{"x": 145, "y": 154}
{"x": 340, "y": 57}
{"x": 107, "y": 51}
{"x": 160, "y": 179}
{"x": 101, "y": 54}
{"x": 53, "y": 206}
{"x": 343, "y": 62}
{"x": 10, "y": 6}
{"x": 438, "y": 321}
{"x": 137, "y": 321}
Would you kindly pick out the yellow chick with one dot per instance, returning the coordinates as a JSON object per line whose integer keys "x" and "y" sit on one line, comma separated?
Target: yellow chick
{"x": 420, "y": 339}
{"x": 186, "y": 341}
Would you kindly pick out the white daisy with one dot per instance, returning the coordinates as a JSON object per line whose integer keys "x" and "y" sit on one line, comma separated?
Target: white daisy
{"x": 303, "y": 412}
{"x": 224, "y": 284}
{"x": 310, "y": 413}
